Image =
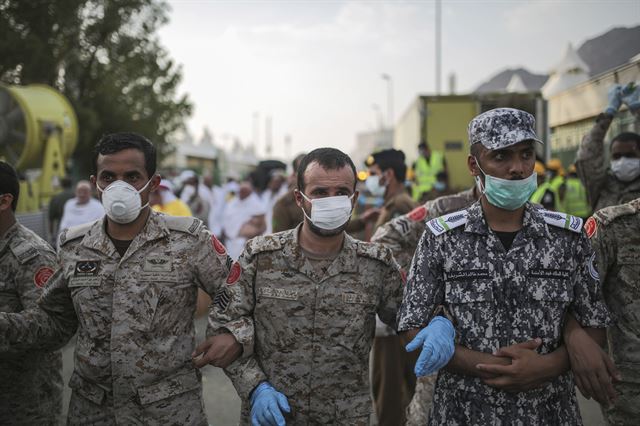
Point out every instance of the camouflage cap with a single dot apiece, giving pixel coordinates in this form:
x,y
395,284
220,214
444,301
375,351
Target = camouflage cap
x,y
502,127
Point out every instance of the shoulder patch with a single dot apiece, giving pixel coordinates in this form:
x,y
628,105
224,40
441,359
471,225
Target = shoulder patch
x,y
418,214
611,213
264,243
74,232
186,224
374,251
591,227
445,223
562,220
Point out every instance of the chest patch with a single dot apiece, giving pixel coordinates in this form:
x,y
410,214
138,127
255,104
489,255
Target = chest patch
x,y
157,264
86,268
278,293
467,274
549,273
355,298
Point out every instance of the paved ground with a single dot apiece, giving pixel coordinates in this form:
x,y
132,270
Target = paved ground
x,y
223,405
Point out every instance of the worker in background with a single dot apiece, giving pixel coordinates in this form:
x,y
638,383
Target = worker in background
x,y
163,200
81,209
56,206
426,168
543,194
555,177
575,197
618,183
393,381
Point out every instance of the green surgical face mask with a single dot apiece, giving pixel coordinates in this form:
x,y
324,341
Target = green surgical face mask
x,y
504,193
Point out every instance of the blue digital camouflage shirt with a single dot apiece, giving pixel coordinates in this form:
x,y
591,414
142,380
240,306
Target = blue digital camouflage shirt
x,y
499,298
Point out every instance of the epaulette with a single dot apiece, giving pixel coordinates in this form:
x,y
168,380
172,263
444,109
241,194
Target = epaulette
x,y
374,251
609,214
186,224
445,223
562,220
74,233
264,243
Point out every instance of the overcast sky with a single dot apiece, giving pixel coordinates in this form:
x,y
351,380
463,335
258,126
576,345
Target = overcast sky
x,y
315,66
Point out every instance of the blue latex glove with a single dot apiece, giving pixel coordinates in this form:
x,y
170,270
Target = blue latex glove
x,y
615,100
437,343
267,405
631,96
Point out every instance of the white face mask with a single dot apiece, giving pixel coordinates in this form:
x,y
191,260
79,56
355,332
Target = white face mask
x,y
122,202
626,169
329,213
373,185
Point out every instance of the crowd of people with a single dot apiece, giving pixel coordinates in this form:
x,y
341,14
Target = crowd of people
x,y
486,306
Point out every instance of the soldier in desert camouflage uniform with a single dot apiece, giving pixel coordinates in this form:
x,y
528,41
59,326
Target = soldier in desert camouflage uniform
x,y
129,283
620,182
314,293
30,381
615,236
506,272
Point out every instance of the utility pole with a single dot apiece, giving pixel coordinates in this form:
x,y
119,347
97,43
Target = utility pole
x,y
389,80
438,46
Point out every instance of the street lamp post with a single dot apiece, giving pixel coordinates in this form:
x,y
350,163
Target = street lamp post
x,y
389,80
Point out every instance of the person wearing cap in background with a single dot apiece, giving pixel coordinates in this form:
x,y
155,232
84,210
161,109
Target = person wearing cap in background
x,y
509,275
81,209
426,168
30,381
275,189
620,182
440,187
543,194
163,200
393,380
286,213
575,197
195,195
615,235
555,177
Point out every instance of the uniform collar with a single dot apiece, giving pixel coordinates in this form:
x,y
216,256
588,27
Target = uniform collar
x,y
346,261
97,239
533,223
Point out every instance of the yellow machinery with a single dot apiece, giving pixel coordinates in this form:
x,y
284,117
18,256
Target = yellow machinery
x,y
38,133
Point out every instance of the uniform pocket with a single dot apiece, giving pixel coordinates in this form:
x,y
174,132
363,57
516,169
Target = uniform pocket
x,y
169,387
87,389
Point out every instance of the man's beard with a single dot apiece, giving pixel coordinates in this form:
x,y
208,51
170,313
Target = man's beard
x,y
326,232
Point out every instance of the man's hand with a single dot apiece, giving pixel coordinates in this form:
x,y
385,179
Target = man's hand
x,y
370,215
436,342
524,373
615,100
268,406
219,351
592,368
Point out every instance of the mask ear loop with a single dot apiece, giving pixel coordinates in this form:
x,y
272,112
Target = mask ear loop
x,y
479,181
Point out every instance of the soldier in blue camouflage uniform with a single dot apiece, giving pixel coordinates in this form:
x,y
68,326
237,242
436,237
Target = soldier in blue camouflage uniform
x,y
506,273
615,235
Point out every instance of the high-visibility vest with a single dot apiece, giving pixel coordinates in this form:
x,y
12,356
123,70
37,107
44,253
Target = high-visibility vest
x,y
575,198
555,185
425,173
536,197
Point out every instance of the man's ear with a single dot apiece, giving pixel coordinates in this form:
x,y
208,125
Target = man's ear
x,y
155,182
297,195
472,165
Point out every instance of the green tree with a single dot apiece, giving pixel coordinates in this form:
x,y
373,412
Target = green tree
x,y
105,56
